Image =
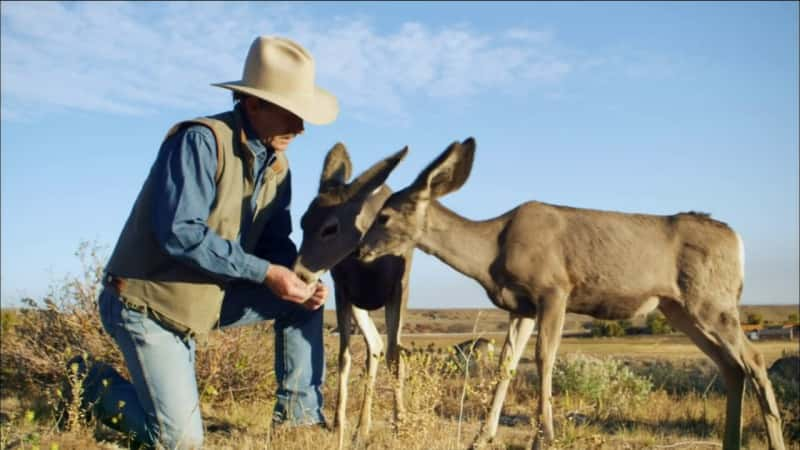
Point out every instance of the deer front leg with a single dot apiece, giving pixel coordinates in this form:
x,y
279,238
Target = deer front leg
x,y
395,310
551,309
374,351
343,320
519,331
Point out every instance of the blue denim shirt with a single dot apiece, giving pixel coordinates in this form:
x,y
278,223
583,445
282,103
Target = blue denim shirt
x,y
185,172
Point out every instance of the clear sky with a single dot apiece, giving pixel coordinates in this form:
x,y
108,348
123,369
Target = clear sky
x,y
637,107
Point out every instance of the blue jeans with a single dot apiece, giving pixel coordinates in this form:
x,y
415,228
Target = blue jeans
x,y
161,402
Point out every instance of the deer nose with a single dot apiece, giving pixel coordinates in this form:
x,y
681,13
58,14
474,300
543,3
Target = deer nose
x,y
365,254
303,273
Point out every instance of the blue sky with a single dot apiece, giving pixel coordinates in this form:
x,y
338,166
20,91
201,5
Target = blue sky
x,y
637,107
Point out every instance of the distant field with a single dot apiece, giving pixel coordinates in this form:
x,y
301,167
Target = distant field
x,y
487,320
445,327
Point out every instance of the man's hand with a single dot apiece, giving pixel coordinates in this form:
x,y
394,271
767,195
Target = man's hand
x,y
317,299
287,285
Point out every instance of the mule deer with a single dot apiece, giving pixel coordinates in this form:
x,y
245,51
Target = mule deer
x,y
542,260
332,227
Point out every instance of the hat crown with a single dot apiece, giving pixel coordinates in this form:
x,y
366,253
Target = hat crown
x,y
280,66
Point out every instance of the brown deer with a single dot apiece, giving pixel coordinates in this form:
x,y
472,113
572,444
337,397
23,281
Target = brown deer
x,y
541,260
332,227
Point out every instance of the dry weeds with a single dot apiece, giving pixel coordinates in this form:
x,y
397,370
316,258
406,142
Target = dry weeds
x,y
684,408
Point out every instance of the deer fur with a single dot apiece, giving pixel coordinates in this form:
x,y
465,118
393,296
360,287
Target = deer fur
x,y
541,260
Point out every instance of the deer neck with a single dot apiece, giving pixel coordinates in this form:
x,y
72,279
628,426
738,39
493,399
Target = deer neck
x,y
467,246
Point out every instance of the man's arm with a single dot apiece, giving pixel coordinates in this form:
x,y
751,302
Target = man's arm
x,y
183,192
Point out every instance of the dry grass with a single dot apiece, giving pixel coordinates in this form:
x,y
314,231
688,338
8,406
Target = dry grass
x,y
684,403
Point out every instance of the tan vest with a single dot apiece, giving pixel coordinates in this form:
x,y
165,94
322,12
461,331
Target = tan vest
x,y
182,297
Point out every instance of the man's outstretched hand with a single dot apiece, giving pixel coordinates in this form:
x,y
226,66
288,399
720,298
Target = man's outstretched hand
x,y
317,299
287,285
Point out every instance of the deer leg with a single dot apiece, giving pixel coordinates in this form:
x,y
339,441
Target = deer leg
x,y
374,350
551,312
519,331
723,343
343,320
756,370
395,310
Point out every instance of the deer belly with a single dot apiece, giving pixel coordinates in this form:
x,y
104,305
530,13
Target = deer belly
x,y
613,307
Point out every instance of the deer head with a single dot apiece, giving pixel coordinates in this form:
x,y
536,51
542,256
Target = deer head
x,y
342,212
402,219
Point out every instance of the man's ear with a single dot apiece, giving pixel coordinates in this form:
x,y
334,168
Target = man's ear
x,y
249,104
336,169
376,175
448,172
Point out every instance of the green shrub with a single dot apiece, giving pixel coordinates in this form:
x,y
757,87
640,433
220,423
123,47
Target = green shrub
x,y
658,324
8,320
681,377
607,328
754,318
608,384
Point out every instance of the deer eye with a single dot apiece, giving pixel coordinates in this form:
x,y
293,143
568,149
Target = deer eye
x,y
329,230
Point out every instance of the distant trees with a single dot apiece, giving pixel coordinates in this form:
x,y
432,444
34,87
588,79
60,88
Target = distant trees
x,y
607,328
794,319
658,324
754,318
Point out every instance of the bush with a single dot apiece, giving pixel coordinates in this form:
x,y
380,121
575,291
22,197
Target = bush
x,y
754,318
682,378
607,328
658,324
608,384
785,376
41,337
66,323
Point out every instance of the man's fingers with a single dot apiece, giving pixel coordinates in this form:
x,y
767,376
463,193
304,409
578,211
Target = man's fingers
x,y
312,304
297,294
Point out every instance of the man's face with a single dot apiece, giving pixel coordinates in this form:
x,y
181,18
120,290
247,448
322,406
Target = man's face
x,y
273,125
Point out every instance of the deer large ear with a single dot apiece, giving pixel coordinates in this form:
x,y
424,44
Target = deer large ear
x,y
337,168
448,172
376,175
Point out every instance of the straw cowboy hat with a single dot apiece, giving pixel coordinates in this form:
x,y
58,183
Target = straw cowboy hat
x,y
282,72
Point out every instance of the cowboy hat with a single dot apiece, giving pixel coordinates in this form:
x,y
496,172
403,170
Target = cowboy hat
x,y
280,71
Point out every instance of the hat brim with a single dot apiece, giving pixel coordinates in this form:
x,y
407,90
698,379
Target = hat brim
x,y
319,108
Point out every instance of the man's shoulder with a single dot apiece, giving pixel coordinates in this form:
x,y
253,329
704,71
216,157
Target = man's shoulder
x,y
218,127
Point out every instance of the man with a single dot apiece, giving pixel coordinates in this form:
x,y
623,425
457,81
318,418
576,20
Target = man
x,y
207,245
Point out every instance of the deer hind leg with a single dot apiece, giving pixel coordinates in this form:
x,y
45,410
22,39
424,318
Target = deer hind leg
x,y
519,331
551,310
757,371
374,351
343,312
718,334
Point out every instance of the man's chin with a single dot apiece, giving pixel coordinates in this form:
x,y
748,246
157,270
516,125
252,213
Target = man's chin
x,y
281,143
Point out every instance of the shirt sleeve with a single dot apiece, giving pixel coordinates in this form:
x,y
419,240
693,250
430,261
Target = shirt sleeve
x,y
274,244
184,191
